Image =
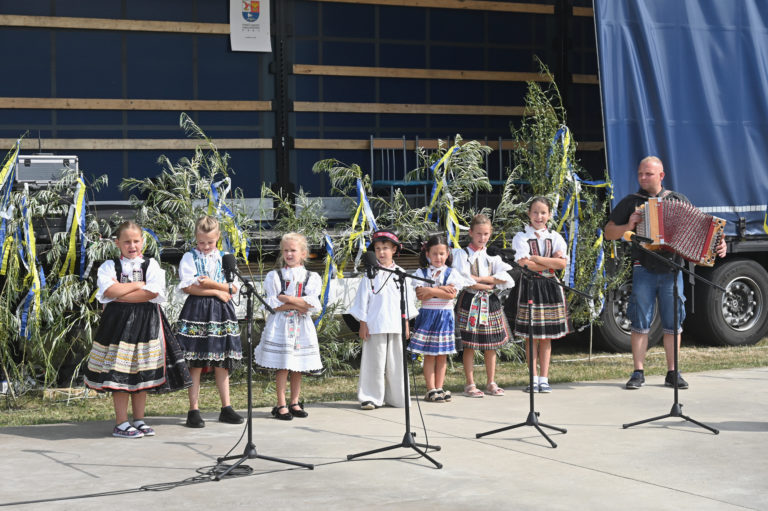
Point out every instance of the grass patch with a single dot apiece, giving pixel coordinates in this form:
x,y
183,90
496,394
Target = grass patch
x,y
570,362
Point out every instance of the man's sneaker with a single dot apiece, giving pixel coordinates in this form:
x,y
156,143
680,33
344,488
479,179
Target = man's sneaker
x,y
545,388
636,381
230,416
528,388
194,419
670,382
129,432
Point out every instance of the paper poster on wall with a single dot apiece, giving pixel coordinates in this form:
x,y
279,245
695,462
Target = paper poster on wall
x,y
249,25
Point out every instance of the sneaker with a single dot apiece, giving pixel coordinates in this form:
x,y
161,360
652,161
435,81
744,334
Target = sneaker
x,y
129,432
230,416
194,420
367,405
669,382
528,388
636,381
545,388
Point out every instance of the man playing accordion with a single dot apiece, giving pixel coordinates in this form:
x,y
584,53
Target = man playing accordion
x,y
651,279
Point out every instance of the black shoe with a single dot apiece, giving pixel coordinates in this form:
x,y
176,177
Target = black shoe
x,y
230,416
636,381
282,416
194,420
669,382
297,410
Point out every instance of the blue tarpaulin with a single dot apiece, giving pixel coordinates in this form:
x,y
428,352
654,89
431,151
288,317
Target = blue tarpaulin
x,y
687,81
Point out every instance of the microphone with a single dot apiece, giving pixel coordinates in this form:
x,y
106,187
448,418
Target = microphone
x,y
371,264
632,237
229,267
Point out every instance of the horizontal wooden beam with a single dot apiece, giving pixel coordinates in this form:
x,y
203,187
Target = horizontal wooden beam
x,y
472,5
177,27
410,145
332,143
424,74
134,104
405,108
132,144
585,79
587,12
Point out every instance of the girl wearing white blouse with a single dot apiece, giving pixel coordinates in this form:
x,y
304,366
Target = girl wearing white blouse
x,y
207,325
134,350
543,251
289,340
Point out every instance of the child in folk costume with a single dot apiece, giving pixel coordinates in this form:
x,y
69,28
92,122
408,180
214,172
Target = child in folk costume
x,y
543,251
377,307
207,325
133,350
433,334
289,340
482,323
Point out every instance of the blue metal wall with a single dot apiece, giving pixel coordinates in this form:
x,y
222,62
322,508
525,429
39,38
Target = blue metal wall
x,y
65,63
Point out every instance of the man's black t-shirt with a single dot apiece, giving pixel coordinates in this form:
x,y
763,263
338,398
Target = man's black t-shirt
x,y
620,216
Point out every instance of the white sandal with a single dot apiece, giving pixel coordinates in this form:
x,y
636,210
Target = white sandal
x,y
471,390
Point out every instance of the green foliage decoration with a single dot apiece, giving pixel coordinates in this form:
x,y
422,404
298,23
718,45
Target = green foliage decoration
x,y
548,167
60,331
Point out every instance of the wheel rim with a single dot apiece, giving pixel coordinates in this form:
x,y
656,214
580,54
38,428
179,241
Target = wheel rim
x,y
742,304
620,305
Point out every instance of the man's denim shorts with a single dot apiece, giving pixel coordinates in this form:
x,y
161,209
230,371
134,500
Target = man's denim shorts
x,y
646,287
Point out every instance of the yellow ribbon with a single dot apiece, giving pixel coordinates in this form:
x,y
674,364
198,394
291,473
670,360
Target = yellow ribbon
x,y
68,267
7,250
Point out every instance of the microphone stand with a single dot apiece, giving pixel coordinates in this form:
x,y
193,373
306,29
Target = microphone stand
x,y
250,447
676,410
533,416
408,439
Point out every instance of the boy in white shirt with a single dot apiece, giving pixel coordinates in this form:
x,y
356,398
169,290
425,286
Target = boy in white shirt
x,y
377,307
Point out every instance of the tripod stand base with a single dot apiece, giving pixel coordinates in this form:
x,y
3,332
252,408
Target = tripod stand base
x,y
250,454
408,442
531,420
676,411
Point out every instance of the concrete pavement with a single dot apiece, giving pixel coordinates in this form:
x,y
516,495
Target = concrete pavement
x,y
667,464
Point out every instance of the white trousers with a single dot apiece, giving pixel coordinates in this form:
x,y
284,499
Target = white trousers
x,y
381,371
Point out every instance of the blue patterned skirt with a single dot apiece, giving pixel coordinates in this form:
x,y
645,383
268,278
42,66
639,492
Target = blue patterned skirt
x,y
209,332
433,333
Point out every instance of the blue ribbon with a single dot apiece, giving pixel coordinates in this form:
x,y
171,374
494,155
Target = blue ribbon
x,y
330,272
363,198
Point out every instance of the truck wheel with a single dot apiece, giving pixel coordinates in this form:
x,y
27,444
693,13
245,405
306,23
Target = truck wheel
x,y
615,330
740,316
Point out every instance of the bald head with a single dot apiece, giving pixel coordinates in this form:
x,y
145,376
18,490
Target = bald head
x,y
650,173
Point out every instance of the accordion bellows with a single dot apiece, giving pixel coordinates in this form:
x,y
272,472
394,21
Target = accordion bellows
x,y
682,228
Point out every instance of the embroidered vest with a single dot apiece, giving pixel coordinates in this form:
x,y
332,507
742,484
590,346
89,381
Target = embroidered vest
x,y
139,275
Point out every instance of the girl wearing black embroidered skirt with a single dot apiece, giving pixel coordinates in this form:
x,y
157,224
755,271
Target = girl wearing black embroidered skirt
x,y
289,340
134,350
481,321
433,334
207,326
543,251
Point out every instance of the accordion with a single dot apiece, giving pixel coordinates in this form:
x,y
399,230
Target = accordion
x,y
682,228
